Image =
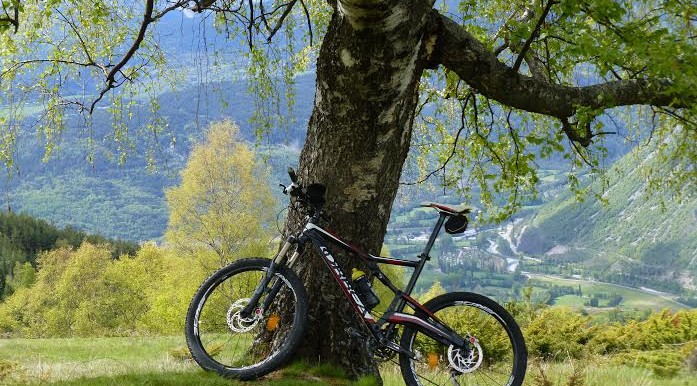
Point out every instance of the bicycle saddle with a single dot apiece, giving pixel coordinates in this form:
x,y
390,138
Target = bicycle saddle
x,y
450,209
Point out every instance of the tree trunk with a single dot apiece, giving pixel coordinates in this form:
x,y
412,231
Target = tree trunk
x,y
357,141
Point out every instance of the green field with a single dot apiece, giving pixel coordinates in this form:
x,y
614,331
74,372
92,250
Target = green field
x,y
631,298
149,361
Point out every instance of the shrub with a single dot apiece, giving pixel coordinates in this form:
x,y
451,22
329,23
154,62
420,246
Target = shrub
x,y
6,369
663,363
558,333
87,293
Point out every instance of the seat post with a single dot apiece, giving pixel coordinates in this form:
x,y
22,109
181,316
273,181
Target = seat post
x,y
434,234
423,257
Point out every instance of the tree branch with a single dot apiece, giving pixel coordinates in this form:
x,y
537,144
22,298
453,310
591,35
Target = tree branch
x,y
533,35
90,61
307,17
280,20
111,77
23,63
175,5
475,64
13,20
463,104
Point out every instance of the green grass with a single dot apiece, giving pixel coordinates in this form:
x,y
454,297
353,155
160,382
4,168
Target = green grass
x,y
141,379
146,361
40,360
601,373
570,301
131,361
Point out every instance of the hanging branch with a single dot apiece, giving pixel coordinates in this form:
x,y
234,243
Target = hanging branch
x,y
251,25
463,104
281,19
114,73
111,77
487,144
90,61
13,20
309,21
533,35
514,137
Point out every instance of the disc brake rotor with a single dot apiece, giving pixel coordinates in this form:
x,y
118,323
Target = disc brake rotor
x,y
235,320
466,361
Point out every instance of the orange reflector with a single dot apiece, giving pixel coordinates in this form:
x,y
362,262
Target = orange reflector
x,y
272,322
432,360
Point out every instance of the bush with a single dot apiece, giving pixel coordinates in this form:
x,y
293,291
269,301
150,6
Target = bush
x,y
87,293
663,363
660,328
558,333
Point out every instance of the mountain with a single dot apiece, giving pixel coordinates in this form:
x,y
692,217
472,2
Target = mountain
x,y
636,237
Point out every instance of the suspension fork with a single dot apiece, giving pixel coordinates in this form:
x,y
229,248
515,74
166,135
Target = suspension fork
x,y
277,285
273,267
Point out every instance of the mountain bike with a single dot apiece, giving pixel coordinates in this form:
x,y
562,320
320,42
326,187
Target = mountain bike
x,y
247,318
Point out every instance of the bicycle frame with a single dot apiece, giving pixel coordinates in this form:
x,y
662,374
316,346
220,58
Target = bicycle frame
x,y
394,315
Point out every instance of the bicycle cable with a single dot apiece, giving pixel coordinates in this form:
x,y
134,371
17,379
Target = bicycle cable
x,y
278,218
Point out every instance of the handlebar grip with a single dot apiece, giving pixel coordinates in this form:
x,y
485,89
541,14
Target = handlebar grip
x,y
293,176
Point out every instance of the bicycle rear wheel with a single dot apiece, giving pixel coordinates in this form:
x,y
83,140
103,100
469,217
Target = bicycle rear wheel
x,y
496,354
221,339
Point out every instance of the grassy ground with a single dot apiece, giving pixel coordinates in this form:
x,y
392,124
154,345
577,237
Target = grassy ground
x,y
599,373
41,360
152,361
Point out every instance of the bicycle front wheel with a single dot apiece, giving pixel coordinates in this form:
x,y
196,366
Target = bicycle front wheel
x,y
495,353
222,339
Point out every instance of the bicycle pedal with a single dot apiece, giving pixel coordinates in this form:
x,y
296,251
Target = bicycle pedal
x,y
356,333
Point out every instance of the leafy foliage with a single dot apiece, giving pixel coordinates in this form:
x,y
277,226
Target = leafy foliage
x,y
85,292
558,333
473,143
664,363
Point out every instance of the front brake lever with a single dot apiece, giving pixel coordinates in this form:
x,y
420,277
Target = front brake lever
x,y
285,189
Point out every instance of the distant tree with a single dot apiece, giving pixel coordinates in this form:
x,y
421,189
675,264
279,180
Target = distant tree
x,y
615,300
223,203
593,302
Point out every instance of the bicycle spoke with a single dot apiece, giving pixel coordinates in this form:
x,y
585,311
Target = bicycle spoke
x,y
482,375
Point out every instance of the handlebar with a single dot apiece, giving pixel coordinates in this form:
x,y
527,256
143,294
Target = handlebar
x,y
312,196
